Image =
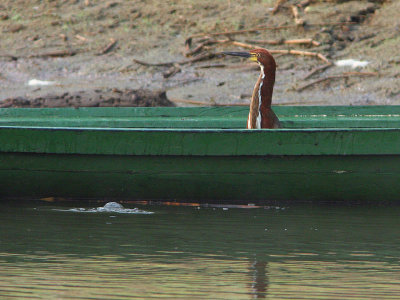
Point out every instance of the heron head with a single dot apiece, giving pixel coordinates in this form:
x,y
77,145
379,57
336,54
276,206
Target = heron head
x,y
260,55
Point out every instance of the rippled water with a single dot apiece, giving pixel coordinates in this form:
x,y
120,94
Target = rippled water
x,y
322,252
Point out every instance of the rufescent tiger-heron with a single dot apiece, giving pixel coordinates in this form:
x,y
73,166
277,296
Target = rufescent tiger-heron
x,y
261,115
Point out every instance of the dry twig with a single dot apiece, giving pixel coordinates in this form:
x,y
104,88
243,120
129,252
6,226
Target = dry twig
x,y
286,52
184,62
147,64
310,42
317,69
277,6
171,71
261,28
81,38
199,47
109,47
203,103
212,66
344,75
304,3
295,11
57,53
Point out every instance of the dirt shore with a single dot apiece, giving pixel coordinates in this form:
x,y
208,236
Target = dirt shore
x,y
54,48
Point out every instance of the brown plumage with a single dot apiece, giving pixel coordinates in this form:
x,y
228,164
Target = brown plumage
x,y
261,115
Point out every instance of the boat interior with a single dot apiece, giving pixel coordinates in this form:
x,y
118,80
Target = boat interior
x,y
232,117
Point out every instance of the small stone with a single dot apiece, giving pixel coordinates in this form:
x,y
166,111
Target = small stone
x,y
111,4
15,28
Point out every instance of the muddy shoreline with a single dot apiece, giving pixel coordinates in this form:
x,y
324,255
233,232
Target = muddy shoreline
x,y
96,98
80,47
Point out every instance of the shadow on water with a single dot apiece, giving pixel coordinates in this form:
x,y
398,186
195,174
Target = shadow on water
x,y
199,252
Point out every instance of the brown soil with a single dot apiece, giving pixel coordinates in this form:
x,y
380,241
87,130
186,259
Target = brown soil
x,y
97,98
88,45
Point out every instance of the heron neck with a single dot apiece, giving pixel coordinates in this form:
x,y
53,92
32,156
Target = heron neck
x,y
262,95
265,86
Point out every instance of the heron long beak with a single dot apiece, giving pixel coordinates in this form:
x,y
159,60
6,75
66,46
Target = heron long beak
x,y
242,54
250,55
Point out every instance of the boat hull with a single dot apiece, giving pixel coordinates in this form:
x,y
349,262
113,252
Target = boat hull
x,y
247,179
124,154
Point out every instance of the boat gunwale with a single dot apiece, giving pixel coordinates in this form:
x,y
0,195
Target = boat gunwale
x,y
203,142
205,130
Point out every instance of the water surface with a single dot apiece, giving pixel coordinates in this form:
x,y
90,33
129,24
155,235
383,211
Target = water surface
x,y
80,252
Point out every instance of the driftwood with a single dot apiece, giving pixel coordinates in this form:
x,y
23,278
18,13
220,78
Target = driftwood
x,y
286,52
188,41
304,3
274,51
295,11
317,69
109,47
57,53
205,42
234,32
241,66
81,38
333,77
94,98
203,103
171,71
183,62
309,42
277,6
147,64
213,66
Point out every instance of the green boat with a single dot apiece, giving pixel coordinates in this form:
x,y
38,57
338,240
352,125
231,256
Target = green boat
x,y
202,155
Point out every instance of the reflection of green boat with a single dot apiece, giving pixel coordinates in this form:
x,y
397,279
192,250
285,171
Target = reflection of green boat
x,y
202,154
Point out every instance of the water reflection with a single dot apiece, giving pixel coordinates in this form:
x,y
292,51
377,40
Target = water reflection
x,y
301,252
259,280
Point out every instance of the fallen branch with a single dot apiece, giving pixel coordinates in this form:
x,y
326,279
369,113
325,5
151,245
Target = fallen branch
x,y
81,38
58,53
277,6
262,28
171,72
184,62
10,57
201,46
295,11
344,75
233,32
289,51
203,103
212,66
300,103
147,64
304,3
241,67
302,53
317,69
361,74
109,47
203,57
288,42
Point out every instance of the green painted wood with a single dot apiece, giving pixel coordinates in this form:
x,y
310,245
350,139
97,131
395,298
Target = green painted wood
x,y
133,153
204,142
201,179
203,117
